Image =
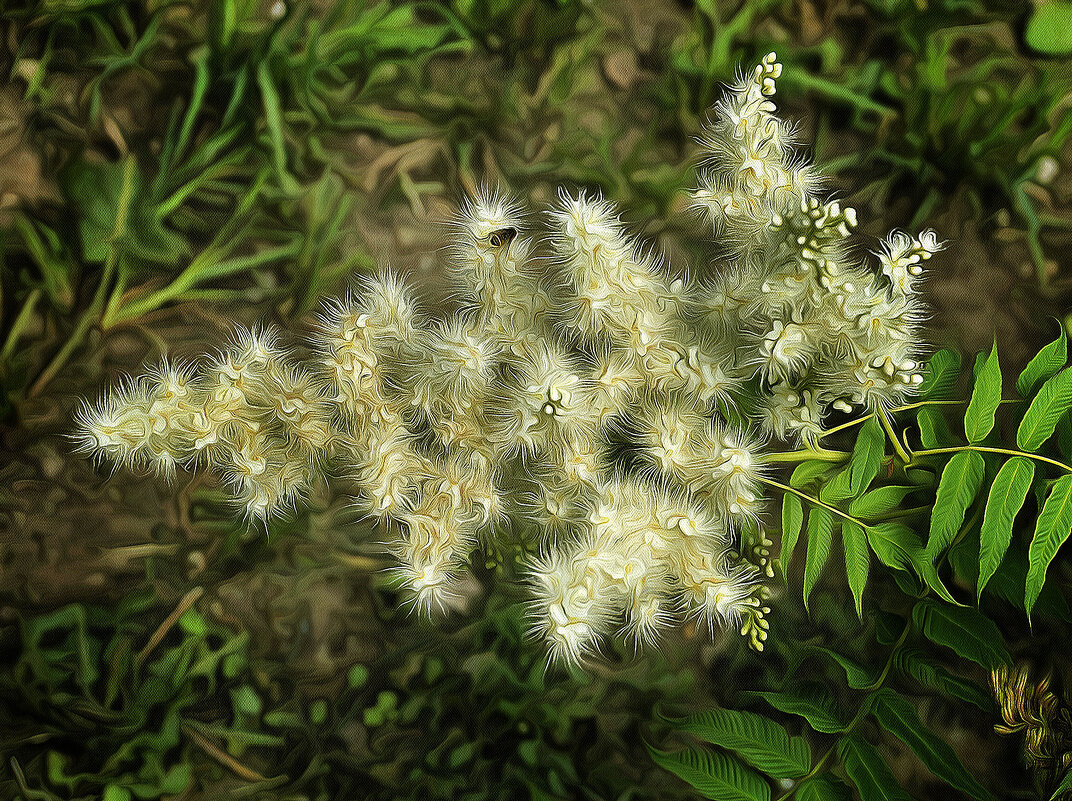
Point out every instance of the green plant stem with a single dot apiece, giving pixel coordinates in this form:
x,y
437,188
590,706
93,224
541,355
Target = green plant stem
x,y
843,426
196,273
808,454
902,454
813,500
21,321
985,449
94,312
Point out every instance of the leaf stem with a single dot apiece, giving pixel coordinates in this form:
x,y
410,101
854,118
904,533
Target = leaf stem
x,y
808,454
986,449
902,453
814,501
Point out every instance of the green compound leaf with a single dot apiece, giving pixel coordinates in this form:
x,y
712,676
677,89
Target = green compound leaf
x,y
1043,365
898,716
1049,28
1006,497
792,522
1052,530
868,772
811,703
942,371
965,630
979,419
866,456
879,501
820,537
761,742
960,482
857,562
1051,403
714,775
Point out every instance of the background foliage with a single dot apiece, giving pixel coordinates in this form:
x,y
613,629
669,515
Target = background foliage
x,y
170,168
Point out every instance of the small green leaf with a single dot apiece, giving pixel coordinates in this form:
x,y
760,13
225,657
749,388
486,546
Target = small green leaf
x,y
956,490
866,455
819,788
811,703
1052,402
898,716
807,472
715,775
1007,495
933,429
965,630
820,536
858,676
857,562
761,742
837,488
879,501
1049,28
895,544
942,371
792,522
1052,530
979,419
1045,364
1064,789
930,673
868,772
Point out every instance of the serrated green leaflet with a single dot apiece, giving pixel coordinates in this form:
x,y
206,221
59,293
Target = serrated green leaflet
x,y
868,772
956,490
933,429
837,488
715,775
965,630
1040,419
913,662
1052,530
899,717
866,456
1006,497
879,501
820,536
979,418
895,545
817,789
857,675
942,371
857,562
792,522
1043,365
812,705
807,472
761,742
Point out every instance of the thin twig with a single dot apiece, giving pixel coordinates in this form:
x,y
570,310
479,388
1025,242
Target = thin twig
x,y
188,600
221,756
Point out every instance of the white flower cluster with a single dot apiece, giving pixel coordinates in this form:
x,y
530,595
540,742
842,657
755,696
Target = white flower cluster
x,y
581,391
823,330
